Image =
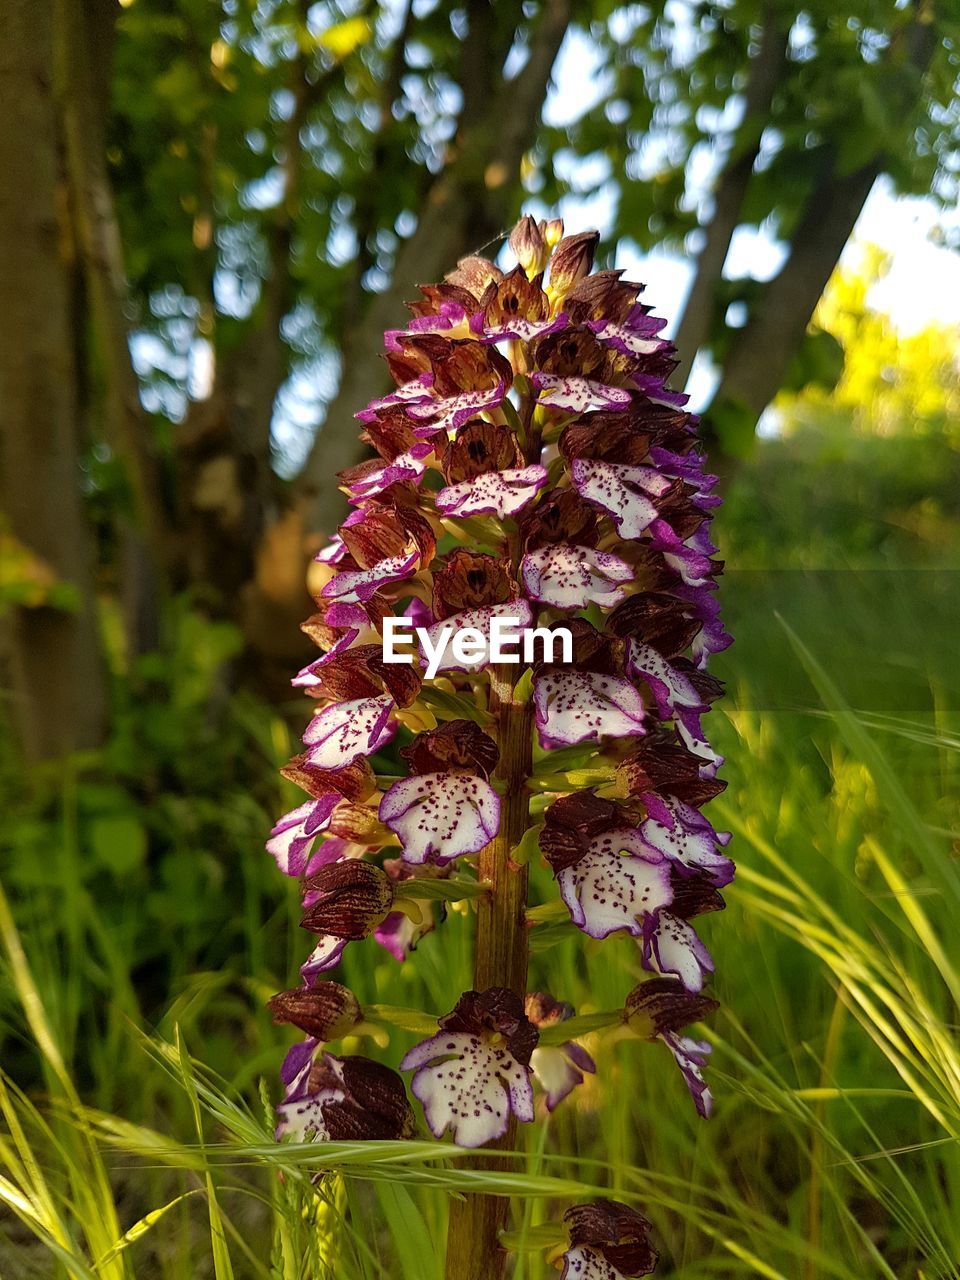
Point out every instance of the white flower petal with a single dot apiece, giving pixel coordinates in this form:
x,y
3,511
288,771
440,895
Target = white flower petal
x,y
440,816
572,577
499,493
581,706
625,493
469,1087
344,731
608,890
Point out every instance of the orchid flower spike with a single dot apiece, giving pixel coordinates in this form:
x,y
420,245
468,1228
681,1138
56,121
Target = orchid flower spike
x,y
530,469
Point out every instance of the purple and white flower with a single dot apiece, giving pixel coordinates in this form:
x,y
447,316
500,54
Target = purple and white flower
x,y
625,493
583,706
499,493
617,884
440,816
345,731
571,577
671,945
475,1071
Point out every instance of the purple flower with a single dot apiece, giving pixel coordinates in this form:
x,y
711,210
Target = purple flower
x,y
577,395
479,620
685,836
582,706
291,839
671,945
499,493
475,1071
571,577
345,731
625,493
439,816
360,585
557,1068
616,883
658,1010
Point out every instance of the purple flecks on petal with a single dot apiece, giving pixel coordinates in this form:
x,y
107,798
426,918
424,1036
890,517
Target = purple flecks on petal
x,y
671,945
608,890
524,330
344,731
291,839
449,412
480,620
626,338
582,706
572,577
468,1086
583,1263
439,816
671,688
407,466
686,837
361,584
499,493
325,955
625,493
578,395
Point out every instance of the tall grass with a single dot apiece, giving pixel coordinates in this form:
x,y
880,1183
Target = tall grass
x,y
833,1155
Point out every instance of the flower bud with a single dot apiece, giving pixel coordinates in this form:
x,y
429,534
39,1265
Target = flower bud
x,y
663,1005
609,1231
347,899
326,1011
572,260
529,245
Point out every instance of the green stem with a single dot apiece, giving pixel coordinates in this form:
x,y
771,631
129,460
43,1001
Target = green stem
x,y
501,956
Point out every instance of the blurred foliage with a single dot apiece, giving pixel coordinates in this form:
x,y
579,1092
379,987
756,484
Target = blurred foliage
x,y
214,104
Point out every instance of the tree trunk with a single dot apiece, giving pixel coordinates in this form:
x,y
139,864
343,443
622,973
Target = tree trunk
x,y
53,655
765,72
81,62
762,351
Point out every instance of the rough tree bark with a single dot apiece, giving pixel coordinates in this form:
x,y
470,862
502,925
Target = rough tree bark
x,y
53,657
81,63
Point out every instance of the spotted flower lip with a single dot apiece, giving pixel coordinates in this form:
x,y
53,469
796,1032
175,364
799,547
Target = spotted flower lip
x,y
659,1009
344,731
479,620
687,838
450,412
558,1069
440,816
670,945
578,395
475,1071
616,884
608,1241
572,577
625,493
360,585
583,706
499,493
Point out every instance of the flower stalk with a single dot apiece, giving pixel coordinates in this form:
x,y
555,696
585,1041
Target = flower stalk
x,y
533,470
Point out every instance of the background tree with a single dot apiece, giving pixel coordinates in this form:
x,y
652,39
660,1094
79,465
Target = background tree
x,y
248,191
